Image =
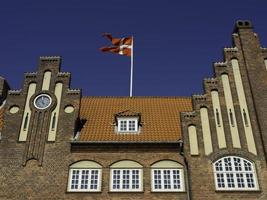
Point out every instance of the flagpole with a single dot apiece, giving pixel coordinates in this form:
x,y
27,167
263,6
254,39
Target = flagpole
x,y
131,78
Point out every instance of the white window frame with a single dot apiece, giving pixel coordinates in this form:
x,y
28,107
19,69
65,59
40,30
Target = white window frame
x,y
127,120
131,189
172,189
79,189
234,174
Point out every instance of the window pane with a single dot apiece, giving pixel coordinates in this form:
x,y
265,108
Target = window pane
x,y
220,180
128,125
230,180
157,179
237,163
240,180
167,179
94,179
84,179
218,165
75,179
176,179
126,179
247,165
234,173
228,164
123,125
250,180
132,125
116,179
135,179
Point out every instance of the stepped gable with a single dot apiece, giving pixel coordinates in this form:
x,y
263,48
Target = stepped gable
x,y
160,118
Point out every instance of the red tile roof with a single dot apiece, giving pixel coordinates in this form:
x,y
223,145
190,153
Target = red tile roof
x,y
160,118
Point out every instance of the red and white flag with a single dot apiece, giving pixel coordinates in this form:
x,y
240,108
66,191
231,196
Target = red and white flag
x,y
121,46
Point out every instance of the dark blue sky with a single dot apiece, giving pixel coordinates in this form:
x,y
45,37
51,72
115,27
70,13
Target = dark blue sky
x,y
175,42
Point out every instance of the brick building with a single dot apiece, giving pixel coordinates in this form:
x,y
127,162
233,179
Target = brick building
x,y
57,144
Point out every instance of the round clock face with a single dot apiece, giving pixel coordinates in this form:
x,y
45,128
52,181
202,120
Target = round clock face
x,y
42,101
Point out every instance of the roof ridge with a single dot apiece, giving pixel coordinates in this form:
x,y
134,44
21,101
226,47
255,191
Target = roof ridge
x,y
137,97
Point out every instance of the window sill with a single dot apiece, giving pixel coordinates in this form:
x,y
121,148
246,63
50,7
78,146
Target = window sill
x,y
84,191
168,191
128,191
243,191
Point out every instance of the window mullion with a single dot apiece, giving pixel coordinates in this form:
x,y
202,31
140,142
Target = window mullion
x,y
130,179
128,125
90,180
234,172
153,179
244,173
162,179
235,180
80,179
99,172
171,179
121,178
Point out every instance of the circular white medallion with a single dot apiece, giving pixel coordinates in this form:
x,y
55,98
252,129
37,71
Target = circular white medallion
x,y
69,109
13,109
42,101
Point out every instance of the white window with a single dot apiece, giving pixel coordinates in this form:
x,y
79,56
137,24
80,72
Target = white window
x,y
126,176
126,180
235,173
127,125
167,176
85,176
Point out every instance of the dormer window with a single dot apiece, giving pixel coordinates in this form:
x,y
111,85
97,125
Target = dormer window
x,y
127,122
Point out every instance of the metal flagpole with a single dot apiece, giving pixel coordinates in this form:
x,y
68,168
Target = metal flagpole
x,y
131,78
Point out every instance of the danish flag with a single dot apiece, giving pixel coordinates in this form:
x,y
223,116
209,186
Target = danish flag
x,y
121,46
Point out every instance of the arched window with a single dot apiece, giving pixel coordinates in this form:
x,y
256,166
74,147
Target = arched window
x,y
167,176
235,173
85,176
125,176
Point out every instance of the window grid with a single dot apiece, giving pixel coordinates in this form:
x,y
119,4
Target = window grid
x,y
234,173
166,180
84,180
127,125
126,180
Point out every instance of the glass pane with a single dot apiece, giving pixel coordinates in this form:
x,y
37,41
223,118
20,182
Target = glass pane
x,y
250,180
230,180
75,179
167,179
116,179
94,179
135,179
157,179
176,179
84,179
220,180
240,180
125,179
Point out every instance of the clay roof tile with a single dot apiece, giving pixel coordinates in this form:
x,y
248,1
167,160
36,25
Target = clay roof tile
x,y
160,118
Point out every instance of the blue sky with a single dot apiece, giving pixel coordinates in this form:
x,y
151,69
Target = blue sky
x,y
175,41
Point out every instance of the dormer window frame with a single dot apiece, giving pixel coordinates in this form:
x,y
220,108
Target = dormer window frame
x,y
125,124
